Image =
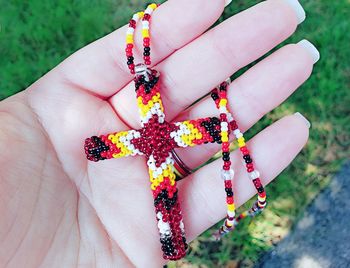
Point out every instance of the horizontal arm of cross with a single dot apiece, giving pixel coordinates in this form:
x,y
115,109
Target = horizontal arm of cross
x,y
180,134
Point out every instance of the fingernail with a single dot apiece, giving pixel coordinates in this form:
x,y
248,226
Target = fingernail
x,y
298,9
311,49
307,122
227,2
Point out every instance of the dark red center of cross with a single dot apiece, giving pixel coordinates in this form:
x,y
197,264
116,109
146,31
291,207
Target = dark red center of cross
x,y
155,139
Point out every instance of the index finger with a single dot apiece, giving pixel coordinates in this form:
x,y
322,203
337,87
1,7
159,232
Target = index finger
x,y
101,66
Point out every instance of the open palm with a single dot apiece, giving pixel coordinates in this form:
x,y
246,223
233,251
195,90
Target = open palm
x,y
60,210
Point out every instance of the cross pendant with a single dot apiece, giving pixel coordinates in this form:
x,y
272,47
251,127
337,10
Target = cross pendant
x,y
156,139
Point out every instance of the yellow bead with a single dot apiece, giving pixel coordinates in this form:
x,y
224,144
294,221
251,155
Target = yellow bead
x,y
241,139
229,224
141,14
223,102
153,187
224,139
145,33
153,6
240,145
129,39
231,207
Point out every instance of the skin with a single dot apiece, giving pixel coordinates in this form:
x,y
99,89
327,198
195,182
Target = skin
x,y
59,210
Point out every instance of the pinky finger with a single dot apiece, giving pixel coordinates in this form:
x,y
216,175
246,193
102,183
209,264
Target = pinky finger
x,y
273,149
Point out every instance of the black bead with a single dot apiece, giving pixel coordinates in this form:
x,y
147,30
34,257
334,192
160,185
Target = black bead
x,y
147,49
146,53
260,189
226,158
222,88
214,96
248,161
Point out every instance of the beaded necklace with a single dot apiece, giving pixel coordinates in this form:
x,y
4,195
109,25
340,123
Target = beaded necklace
x,y
157,139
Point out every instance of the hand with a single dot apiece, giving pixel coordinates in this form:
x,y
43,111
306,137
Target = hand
x,y
60,210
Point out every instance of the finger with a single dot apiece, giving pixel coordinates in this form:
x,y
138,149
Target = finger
x,y
202,195
198,67
101,66
255,93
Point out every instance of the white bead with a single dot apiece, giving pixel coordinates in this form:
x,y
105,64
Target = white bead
x,y
148,10
231,213
223,124
229,222
227,174
137,134
130,30
163,227
254,174
224,128
236,132
135,17
223,109
159,215
239,135
263,205
261,199
182,226
229,116
152,166
163,166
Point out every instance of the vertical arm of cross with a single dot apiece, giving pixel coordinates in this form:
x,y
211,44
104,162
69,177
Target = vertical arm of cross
x,y
167,207
149,100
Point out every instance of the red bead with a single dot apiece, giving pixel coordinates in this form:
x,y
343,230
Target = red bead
x,y
228,184
229,200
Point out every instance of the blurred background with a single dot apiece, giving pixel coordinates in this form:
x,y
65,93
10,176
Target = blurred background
x,y
36,35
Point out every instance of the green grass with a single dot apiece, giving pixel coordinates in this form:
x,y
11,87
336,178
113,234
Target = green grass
x,y
36,35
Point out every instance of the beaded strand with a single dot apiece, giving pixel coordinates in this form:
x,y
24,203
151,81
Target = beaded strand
x,y
220,98
145,17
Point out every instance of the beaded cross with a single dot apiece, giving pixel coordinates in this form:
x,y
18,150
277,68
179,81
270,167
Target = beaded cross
x,y
157,138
